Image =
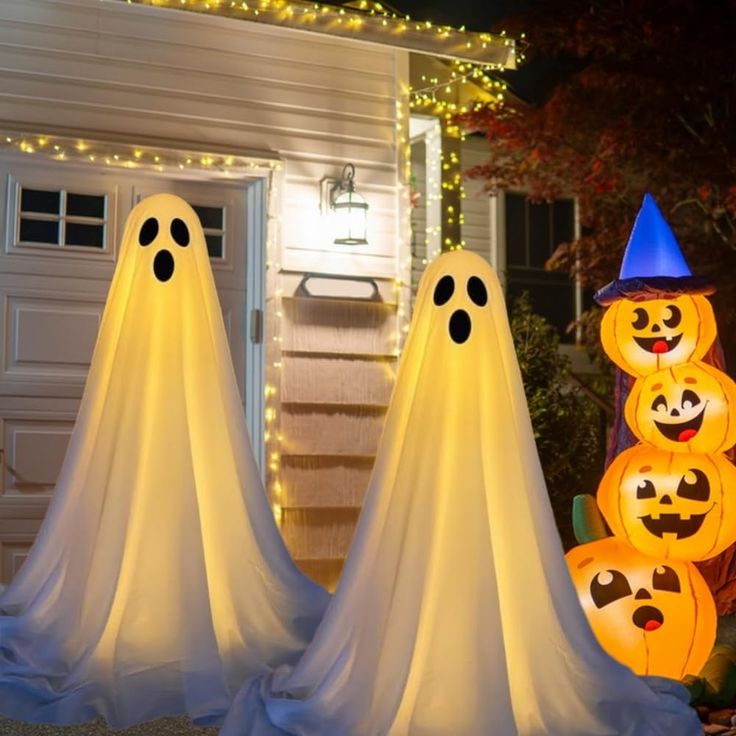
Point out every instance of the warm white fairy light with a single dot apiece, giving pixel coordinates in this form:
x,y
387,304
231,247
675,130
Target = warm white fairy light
x,y
130,156
368,21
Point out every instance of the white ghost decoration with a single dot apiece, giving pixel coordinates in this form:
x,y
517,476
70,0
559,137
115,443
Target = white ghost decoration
x,y
159,580
455,614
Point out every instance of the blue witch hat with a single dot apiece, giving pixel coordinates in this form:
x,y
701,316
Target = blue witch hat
x,y
653,266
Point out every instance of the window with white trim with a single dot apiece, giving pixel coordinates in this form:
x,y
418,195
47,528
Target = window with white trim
x,y
61,218
214,227
533,232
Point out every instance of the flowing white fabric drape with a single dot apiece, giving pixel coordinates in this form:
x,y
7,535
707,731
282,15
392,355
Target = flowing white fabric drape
x,y
159,580
455,613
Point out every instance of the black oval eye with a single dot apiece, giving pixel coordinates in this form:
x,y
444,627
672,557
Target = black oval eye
x,y
608,586
659,404
665,578
646,489
477,291
180,232
694,485
444,290
149,231
689,399
675,316
642,319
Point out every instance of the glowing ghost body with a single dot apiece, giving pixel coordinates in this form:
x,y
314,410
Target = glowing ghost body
x,y
455,613
159,579
656,617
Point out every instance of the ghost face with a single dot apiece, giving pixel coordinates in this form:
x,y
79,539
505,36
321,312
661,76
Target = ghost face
x,y
459,294
645,336
656,617
686,408
670,505
165,234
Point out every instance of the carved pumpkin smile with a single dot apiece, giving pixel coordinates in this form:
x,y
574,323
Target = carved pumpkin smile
x,y
681,431
658,345
673,524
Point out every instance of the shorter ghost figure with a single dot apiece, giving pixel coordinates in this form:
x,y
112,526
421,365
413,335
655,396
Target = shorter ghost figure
x,y
455,614
159,580
657,617
685,408
645,336
670,505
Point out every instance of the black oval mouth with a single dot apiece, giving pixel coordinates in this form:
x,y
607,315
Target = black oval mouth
x,y
460,326
648,618
163,265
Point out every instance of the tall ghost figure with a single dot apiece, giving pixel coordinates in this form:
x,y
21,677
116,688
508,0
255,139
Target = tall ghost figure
x,y
159,580
456,613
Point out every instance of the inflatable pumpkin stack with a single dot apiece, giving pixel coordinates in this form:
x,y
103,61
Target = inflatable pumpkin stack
x,y
669,499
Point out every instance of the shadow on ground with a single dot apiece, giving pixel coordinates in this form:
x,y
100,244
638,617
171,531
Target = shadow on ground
x,y
161,727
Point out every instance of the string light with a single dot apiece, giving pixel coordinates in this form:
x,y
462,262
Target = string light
x,y
369,21
117,155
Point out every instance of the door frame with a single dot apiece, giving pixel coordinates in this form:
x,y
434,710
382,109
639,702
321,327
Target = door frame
x,y
259,176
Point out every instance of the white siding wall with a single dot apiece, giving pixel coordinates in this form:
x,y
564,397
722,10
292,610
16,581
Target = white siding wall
x,y
476,230
141,74
107,70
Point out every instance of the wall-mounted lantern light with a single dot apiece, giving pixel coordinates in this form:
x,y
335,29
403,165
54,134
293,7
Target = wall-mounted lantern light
x,y
349,210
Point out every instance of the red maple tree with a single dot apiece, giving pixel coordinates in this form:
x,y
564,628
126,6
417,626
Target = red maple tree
x,y
647,104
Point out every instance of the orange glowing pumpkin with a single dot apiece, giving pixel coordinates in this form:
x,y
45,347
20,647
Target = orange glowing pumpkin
x,y
642,337
671,505
657,617
685,408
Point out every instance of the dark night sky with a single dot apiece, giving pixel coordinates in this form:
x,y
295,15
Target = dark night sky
x,y
533,80
475,15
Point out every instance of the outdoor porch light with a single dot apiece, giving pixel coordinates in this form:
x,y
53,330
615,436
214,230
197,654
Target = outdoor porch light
x,y
349,210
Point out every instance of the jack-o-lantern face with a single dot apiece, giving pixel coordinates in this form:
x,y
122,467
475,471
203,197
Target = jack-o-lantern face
x,y
647,336
686,408
670,505
657,617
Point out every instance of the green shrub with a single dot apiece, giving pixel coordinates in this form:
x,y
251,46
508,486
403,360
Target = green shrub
x,y
566,423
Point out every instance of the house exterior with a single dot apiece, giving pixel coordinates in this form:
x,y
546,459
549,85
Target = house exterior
x,y
105,102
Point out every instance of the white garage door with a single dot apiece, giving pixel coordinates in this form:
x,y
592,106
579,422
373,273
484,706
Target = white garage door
x,y
61,228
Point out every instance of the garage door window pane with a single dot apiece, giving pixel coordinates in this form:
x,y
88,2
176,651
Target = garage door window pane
x,y
85,205
39,231
213,225
62,218
214,245
38,200
90,236
210,217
